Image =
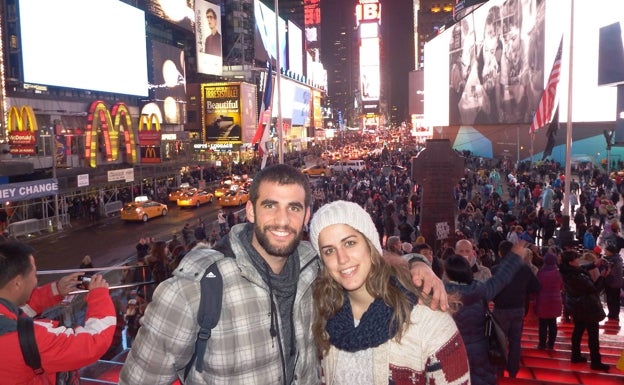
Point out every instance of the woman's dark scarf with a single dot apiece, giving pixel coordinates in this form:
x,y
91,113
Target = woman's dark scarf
x,y
375,327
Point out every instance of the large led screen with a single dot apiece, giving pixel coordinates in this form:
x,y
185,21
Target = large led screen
x,y
265,41
611,55
69,43
295,48
178,12
471,77
369,69
168,81
208,38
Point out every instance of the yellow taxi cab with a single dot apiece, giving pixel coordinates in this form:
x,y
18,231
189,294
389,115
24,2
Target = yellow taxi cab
x,y
142,209
227,182
234,197
318,170
177,193
195,198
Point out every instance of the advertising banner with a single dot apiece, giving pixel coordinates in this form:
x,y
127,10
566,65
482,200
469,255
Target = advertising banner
x,y
22,131
221,112
150,139
208,38
14,192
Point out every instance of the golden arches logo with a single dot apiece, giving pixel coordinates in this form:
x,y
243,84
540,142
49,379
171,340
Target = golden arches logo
x,y
100,120
21,118
150,152
146,122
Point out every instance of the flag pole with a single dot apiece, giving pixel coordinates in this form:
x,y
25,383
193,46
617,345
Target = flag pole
x,y
280,127
568,158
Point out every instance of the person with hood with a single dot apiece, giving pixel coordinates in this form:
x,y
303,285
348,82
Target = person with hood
x,y
583,303
548,302
475,295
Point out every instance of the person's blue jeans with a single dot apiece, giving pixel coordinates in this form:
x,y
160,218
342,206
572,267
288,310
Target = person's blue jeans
x,y
512,322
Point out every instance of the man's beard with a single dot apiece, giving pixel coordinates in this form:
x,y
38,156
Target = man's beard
x,y
283,251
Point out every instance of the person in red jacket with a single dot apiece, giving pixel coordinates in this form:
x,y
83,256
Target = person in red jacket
x,y
61,348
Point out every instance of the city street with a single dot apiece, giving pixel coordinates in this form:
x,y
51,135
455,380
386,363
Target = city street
x,y
110,241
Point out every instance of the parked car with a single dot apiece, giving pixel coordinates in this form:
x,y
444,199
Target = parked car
x,y
318,170
235,197
195,198
143,209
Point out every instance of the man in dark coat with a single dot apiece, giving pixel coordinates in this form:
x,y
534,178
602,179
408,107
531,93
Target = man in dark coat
x,y
510,307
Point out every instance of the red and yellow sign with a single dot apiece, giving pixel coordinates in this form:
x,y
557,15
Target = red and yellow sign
x,y
99,121
150,138
22,131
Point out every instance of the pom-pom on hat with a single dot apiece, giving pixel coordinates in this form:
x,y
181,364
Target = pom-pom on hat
x,y
344,212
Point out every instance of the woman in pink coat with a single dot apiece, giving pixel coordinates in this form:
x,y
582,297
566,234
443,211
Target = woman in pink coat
x,y
548,303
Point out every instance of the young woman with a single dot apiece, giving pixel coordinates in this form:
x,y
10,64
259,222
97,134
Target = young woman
x,y
369,325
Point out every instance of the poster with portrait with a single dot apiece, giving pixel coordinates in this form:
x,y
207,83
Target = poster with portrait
x,y
208,35
496,63
222,112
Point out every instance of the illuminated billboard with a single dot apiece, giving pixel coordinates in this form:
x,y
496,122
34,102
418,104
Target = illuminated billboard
x,y
179,12
369,69
208,41
265,40
229,112
312,24
368,17
71,44
461,76
295,48
168,82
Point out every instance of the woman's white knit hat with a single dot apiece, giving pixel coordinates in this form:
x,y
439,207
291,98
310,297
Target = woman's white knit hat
x,y
347,213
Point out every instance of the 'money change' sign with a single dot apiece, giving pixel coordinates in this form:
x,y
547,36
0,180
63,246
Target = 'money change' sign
x,y
13,192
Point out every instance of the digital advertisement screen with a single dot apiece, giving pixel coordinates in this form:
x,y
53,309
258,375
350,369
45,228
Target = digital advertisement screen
x,y
178,12
474,77
295,48
265,35
369,69
168,81
65,43
611,55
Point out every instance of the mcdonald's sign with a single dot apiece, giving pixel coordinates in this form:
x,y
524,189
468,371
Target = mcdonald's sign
x,y
22,130
100,121
150,138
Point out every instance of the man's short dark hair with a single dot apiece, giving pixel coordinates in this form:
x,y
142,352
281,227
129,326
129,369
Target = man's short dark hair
x,y
504,248
210,10
458,269
14,260
281,174
421,246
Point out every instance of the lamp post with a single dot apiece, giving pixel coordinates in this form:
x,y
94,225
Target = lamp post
x,y
59,225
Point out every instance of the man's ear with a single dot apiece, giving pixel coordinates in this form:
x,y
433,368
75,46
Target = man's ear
x,y
249,211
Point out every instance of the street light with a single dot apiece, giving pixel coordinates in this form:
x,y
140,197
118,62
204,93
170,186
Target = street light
x,y
59,225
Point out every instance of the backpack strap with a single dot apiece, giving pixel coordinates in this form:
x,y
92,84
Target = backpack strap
x,y
28,344
208,314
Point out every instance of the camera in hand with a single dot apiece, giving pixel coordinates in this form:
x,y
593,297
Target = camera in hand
x,y
84,281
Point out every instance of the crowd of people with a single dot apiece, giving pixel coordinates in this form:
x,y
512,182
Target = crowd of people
x,y
368,289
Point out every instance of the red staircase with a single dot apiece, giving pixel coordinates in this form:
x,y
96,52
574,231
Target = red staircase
x,y
553,367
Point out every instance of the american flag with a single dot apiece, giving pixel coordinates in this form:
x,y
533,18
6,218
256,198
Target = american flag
x,y
547,102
